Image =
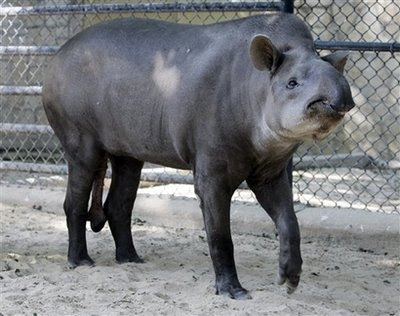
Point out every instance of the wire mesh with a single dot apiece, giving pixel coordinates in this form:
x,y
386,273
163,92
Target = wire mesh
x,y
373,129
357,166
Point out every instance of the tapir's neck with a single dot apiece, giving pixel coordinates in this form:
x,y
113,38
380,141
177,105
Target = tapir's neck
x,y
270,146
253,116
245,107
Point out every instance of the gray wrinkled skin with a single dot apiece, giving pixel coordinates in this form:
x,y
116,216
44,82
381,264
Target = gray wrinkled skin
x,y
230,101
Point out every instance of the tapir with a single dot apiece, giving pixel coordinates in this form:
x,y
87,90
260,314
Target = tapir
x,y
230,101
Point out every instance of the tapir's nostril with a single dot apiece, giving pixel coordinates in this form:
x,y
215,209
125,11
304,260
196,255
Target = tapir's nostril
x,y
342,106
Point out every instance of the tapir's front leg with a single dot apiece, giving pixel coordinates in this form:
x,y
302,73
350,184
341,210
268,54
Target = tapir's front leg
x,y
214,192
276,197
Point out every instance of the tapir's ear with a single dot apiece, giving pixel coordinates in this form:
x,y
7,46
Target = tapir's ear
x,y
337,59
264,55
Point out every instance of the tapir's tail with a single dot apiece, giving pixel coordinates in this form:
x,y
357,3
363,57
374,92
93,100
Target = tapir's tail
x,y
96,214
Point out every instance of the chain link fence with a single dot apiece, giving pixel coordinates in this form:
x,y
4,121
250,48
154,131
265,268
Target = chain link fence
x,y
358,166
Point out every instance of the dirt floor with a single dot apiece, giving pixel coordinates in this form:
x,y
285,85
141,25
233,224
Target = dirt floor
x,y
339,278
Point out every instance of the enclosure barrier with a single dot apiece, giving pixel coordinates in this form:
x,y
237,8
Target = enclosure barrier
x,y
361,160
144,7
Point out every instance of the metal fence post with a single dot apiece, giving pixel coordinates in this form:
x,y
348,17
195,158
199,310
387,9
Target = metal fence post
x,y
288,6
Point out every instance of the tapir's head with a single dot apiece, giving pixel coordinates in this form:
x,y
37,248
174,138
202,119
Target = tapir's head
x,y
307,96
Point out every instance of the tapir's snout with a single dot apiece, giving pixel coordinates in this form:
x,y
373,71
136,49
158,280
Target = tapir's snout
x,y
342,100
330,106
337,98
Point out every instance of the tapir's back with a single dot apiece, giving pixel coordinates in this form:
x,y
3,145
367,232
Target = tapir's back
x,y
119,81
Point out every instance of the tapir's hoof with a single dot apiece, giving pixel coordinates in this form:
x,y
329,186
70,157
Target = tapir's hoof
x,y
291,282
124,258
237,293
75,262
290,289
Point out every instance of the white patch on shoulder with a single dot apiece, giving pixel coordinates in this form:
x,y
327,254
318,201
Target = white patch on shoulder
x,y
166,76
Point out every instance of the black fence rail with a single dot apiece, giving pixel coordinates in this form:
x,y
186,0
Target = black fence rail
x,y
357,167
145,7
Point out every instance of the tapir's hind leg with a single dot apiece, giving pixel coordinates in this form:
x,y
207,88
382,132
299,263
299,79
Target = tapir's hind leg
x,y
119,204
83,156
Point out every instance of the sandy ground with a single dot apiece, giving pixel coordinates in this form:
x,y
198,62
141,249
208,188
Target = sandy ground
x,y
339,278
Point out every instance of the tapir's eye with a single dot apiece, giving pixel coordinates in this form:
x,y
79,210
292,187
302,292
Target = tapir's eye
x,y
292,84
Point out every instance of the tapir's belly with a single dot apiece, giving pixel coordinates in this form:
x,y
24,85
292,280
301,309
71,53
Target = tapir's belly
x,y
143,130
153,152
140,137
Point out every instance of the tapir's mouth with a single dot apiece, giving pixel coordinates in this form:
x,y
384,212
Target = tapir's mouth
x,y
330,106
323,117
317,103
323,108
